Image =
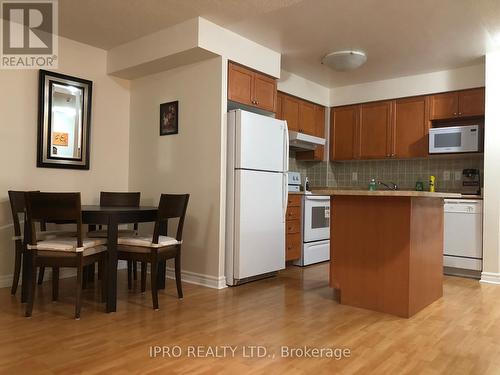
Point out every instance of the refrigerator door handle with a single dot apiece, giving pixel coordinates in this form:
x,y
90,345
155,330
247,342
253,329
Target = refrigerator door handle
x,y
286,144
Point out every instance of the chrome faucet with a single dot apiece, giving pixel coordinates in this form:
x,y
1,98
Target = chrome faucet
x,y
393,187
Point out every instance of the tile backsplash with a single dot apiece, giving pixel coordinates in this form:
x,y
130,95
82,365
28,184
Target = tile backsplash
x,y
405,173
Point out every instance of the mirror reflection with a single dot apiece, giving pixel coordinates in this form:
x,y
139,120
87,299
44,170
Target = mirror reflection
x,y
66,124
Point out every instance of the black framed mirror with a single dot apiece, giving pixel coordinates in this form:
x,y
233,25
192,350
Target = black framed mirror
x,y
64,111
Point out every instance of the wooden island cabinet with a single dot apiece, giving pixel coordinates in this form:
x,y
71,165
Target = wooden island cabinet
x,y
386,249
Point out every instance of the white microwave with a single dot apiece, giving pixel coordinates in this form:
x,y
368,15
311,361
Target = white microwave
x,y
455,139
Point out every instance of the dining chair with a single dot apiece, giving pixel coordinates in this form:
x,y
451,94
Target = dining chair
x,y
18,208
158,247
120,199
75,252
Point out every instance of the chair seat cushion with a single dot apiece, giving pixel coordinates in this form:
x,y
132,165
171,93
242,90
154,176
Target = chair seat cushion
x,y
103,233
67,244
147,241
62,254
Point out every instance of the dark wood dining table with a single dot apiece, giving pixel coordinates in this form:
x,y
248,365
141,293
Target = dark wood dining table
x,y
112,217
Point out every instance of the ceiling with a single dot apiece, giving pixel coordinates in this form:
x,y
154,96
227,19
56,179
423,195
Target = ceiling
x,y
400,37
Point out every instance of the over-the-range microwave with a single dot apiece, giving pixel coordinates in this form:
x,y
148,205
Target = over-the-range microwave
x,y
455,139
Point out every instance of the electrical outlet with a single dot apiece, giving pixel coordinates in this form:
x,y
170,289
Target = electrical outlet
x,y
354,176
446,176
458,175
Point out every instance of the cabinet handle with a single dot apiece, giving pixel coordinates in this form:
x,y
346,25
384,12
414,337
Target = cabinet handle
x,y
257,102
290,228
289,247
455,113
460,113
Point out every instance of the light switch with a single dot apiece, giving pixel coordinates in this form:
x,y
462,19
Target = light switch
x,y
354,176
446,176
458,175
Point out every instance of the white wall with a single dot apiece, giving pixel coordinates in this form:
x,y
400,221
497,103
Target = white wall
x,y
446,80
18,137
188,42
296,85
491,241
189,162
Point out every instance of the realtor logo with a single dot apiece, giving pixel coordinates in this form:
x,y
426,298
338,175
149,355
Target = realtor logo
x,y
29,34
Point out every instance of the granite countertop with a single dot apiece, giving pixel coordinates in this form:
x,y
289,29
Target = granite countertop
x,y
387,193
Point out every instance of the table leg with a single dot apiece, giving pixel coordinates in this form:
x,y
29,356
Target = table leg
x,y
112,265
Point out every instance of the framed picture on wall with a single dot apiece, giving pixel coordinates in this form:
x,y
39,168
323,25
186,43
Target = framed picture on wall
x,y
169,118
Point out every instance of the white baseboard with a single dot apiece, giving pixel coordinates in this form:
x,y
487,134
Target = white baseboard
x,y
6,280
199,279
187,277
490,278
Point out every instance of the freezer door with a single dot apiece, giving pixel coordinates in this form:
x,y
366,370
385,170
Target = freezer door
x,y
260,142
259,230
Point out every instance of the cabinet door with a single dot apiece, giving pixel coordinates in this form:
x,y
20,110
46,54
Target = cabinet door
x,y
444,106
291,112
375,130
344,123
318,153
279,106
319,121
410,134
240,84
264,92
471,102
306,117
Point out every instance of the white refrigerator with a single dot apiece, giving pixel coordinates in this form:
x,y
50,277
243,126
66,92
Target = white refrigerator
x,y
257,183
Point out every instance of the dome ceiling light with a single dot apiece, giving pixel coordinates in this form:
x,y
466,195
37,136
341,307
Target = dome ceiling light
x,y
344,60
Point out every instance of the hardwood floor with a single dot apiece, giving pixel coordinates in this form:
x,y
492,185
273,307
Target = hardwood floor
x,y
459,334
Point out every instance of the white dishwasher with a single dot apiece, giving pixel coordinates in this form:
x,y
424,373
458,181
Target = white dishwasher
x,y
463,237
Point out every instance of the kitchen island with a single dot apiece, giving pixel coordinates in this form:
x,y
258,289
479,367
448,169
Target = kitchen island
x,y
386,248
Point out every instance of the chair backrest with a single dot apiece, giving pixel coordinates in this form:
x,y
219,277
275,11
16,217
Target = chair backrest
x,y
17,206
171,206
53,207
119,199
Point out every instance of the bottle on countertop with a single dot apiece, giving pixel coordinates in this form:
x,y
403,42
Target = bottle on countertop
x,y
419,186
306,185
373,185
432,184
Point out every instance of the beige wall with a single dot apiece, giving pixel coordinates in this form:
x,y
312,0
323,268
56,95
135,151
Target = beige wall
x,y
18,129
189,162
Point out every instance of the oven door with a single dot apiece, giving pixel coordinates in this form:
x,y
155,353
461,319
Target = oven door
x,y
316,218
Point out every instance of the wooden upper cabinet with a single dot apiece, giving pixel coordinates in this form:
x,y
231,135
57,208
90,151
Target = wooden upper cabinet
x,y
265,92
251,88
319,121
240,83
307,117
318,154
471,102
279,106
443,106
410,128
344,123
291,112
455,104
375,130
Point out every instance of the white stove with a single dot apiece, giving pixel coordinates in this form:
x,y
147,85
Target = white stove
x,y
315,224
